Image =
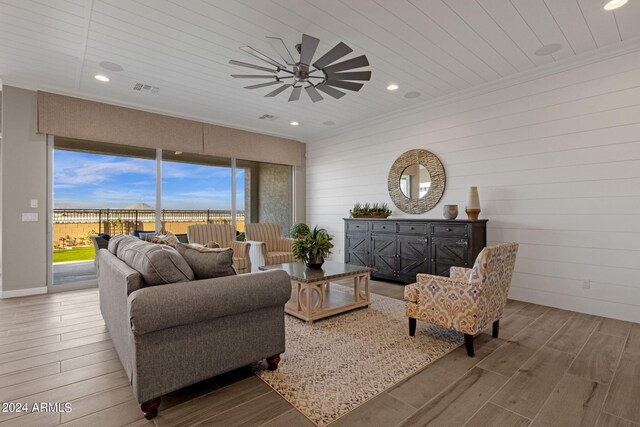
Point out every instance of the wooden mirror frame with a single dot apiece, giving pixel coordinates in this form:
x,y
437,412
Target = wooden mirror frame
x,y
433,165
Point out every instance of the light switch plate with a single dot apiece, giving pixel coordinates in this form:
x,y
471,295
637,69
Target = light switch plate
x,y
29,217
34,203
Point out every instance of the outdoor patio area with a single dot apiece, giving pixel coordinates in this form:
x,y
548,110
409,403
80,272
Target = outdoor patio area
x,y
74,272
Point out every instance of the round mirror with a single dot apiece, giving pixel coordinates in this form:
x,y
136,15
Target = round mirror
x,y
415,181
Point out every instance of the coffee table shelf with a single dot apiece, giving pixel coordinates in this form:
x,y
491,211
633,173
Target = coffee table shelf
x,y
311,295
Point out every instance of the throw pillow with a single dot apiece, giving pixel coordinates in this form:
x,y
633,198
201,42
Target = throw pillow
x,y
157,239
145,235
157,264
171,239
208,263
212,245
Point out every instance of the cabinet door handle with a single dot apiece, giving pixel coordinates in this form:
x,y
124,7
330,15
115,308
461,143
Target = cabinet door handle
x,y
448,229
384,227
412,228
357,226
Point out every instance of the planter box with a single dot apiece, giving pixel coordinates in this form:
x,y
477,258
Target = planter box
x,y
368,216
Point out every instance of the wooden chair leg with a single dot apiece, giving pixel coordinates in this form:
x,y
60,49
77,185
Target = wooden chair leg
x,y
496,328
150,408
273,362
468,343
412,326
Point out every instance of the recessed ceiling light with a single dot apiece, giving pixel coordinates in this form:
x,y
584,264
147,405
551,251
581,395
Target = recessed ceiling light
x,y
614,4
294,123
411,95
101,78
111,66
548,49
393,86
177,153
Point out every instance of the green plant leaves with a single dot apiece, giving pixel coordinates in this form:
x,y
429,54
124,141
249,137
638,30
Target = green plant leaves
x,y
316,243
375,209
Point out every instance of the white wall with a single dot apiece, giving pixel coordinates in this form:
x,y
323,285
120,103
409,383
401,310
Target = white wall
x,y
556,158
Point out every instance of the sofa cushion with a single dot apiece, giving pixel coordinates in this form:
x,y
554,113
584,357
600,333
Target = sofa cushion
x,y
116,240
208,263
158,264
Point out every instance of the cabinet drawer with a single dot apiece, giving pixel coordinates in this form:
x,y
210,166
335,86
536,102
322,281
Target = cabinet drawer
x,y
449,229
412,228
383,227
357,226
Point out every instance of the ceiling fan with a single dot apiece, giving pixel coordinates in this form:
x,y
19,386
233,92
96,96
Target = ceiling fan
x,y
323,75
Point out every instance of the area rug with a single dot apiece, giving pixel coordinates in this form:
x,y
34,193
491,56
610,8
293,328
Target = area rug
x,y
336,364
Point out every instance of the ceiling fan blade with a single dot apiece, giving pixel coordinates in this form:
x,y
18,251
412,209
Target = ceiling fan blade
x,y
255,67
251,76
357,62
337,94
356,75
309,46
279,46
295,94
277,91
261,56
313,94
345,85
263,85
333,55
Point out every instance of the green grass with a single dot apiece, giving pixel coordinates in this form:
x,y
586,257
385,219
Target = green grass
x,y
80,253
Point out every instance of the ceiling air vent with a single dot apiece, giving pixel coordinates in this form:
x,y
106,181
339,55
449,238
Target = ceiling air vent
x,y
267,117
141,87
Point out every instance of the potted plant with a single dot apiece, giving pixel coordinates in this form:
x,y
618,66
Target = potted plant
x,y
298,230
311,248
367,210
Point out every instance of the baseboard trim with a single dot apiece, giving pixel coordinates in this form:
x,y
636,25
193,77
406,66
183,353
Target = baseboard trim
x,y
23,292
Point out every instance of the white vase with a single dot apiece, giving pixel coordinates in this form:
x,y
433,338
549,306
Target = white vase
x,y
473,203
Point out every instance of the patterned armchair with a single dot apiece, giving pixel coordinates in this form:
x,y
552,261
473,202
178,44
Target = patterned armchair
x,y
468,300
224,235
275,248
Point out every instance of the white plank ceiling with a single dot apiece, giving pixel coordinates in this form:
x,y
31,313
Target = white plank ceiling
x,y
433,47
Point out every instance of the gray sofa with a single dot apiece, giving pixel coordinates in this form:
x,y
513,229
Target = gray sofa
x,y
173,335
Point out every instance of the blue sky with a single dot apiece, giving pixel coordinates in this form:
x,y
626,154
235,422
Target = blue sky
x,y
84,180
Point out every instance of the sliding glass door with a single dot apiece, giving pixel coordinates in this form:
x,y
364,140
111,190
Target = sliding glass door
x,y
196,189
99,188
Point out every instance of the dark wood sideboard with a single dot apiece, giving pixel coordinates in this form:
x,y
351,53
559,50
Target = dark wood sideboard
x,y
398,249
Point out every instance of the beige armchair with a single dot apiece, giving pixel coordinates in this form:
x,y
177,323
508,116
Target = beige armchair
x,y
225,236
275,248
468,300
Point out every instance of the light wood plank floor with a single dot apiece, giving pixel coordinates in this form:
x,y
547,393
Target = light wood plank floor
x,y
549,367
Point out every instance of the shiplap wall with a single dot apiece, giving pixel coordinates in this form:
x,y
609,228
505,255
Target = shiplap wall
x,y
556,158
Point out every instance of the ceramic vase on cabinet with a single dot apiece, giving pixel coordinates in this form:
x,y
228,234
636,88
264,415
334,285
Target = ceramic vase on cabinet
x,y
473,203
450,211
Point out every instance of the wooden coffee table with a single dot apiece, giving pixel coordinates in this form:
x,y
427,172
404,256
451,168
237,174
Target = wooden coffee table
x,y
311,296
